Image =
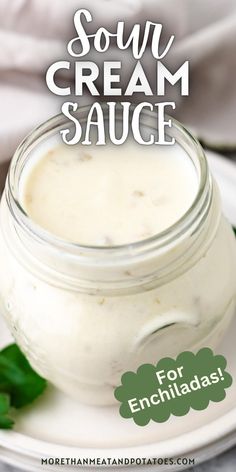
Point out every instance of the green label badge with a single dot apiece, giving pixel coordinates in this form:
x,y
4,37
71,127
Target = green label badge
x,y
173,387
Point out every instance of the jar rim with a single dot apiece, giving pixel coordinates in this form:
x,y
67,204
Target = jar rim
x,y
157,241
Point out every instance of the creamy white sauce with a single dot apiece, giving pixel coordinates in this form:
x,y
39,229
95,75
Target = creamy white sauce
x,y
84,342
109,195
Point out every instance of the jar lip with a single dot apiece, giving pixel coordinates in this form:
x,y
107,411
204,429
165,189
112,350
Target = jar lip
x,y
156,241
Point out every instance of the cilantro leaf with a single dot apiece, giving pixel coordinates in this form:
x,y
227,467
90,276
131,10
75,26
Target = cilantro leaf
x,y
5,421
17,378
234,229
19,383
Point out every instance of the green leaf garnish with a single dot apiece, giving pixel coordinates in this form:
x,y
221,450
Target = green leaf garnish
x,y
5,421
234,229
20,385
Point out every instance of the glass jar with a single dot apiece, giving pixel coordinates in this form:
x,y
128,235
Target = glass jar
x,y
84,315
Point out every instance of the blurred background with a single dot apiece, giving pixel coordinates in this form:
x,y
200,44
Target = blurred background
x,y
34,34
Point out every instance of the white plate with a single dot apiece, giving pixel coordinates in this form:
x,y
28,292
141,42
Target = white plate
x,y
58,427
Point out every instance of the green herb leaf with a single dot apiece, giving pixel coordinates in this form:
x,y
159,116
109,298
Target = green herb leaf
x,y
5,421
19,383
18,379
234,229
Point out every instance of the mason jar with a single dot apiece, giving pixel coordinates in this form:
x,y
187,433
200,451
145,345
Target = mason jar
x,y
85,315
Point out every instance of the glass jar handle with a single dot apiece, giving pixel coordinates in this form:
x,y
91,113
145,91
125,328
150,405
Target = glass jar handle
x,y
164,321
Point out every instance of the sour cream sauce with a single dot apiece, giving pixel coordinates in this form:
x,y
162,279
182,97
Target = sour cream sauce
x,y
83,316
112,195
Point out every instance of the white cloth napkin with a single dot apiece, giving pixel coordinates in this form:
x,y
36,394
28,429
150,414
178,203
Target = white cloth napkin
x,y
34,34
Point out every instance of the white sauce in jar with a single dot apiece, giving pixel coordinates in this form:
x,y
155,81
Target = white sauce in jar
x,y
113,195
83,337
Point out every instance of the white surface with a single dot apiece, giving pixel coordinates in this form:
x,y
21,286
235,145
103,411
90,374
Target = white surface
x,y
56,426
